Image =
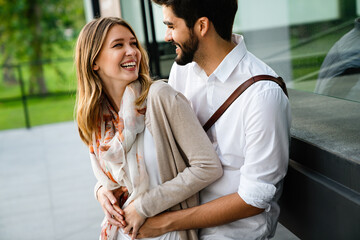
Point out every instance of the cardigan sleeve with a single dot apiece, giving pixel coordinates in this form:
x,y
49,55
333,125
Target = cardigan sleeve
x,y
186,157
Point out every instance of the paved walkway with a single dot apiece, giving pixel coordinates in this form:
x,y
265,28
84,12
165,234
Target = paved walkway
x,y
46,186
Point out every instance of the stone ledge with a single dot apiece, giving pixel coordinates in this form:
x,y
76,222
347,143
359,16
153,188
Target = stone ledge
x,y
328,123
326,136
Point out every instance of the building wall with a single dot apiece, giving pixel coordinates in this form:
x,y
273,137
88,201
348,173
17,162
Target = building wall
x,y
269,14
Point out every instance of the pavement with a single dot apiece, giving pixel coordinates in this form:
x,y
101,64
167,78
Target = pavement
x,y
46,186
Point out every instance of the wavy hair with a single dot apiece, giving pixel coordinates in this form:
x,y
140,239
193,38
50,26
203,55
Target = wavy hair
x,y
90,88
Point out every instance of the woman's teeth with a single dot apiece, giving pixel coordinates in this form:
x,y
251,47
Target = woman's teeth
x,y
128,65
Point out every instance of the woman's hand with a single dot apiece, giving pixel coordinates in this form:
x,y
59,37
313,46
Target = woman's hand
x,y
110,204
133,219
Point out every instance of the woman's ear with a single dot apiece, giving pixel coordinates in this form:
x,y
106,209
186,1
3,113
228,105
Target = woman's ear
x,y
203,25
95,67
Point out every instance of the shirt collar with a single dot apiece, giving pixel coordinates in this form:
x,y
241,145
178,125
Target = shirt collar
x,y
228,64
199,71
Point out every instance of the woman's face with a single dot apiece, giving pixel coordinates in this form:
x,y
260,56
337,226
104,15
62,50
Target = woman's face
x,y
119,57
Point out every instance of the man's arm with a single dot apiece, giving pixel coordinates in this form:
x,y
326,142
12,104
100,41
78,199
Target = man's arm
x,y
217,212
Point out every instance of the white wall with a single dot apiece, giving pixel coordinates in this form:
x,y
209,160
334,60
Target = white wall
x,y
131,12
251,15
89,13
261,14
110,8
264,14
160,27
307,11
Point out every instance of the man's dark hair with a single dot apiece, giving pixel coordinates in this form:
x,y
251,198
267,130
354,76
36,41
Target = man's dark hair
x,y
220,13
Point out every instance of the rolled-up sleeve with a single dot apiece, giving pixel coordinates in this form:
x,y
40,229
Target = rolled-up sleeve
x,y
267,126
255,193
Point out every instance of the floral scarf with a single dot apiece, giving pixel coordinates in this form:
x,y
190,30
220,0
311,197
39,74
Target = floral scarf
x,y
117,150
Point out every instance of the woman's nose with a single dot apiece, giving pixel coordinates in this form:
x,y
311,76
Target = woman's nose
x,y
130,50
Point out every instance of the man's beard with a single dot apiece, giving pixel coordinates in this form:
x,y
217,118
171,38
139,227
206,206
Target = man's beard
x,y
188,50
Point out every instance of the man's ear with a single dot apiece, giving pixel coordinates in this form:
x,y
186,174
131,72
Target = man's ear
x,y
203,25
95,67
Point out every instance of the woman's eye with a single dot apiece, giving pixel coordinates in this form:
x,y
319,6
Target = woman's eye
x,y
134,43
118,45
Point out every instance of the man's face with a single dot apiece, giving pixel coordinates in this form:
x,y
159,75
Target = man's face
x,y
181,36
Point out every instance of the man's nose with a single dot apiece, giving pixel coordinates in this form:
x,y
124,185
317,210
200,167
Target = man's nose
x,y
168,35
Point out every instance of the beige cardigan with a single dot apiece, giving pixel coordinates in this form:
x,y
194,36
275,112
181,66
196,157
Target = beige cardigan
x,y
187,161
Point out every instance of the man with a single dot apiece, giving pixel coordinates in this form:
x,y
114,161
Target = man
x,y
252,136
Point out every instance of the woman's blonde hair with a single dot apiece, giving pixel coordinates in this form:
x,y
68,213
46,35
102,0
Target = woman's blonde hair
x,y
90,90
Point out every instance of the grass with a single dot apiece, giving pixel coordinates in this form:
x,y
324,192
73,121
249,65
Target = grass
x,y
60,77
42,110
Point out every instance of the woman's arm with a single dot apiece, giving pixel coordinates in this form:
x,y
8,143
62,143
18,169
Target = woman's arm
x,y
170,112
109,201
173,113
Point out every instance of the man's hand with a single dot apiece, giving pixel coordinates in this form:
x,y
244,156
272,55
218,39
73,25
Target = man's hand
x,y
110,204
154,227
133,220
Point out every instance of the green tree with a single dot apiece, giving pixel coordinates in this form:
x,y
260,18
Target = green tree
x,y
31,30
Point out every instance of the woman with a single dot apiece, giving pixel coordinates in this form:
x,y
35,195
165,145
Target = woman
x,y
142,135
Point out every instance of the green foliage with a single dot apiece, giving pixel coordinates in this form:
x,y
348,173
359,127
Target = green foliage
x,y
33,31
41,34
57,18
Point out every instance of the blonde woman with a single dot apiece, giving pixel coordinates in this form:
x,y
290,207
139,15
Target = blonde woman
x,y
142,135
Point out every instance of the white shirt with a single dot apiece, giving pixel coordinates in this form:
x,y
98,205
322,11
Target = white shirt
x,y
152,169
251,138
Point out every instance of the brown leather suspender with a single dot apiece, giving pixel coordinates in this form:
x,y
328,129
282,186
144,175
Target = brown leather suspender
x,y
238,92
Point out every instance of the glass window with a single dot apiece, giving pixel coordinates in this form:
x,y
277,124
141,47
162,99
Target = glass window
x,y
313,47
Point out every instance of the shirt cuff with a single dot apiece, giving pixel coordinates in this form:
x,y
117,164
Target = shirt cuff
x,y
257,194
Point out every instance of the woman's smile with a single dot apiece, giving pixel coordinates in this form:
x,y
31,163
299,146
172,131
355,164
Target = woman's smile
x,y
119,58
129,65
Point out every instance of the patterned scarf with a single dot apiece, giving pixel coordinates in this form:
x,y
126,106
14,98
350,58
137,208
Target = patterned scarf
x,y
117,150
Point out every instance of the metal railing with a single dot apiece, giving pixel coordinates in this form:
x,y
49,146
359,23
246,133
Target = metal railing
x,y
17,70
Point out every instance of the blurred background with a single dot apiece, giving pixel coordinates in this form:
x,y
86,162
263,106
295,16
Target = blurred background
x,y
313,45
37,38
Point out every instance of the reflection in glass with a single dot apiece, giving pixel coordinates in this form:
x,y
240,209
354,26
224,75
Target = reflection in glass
x,y
339,74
